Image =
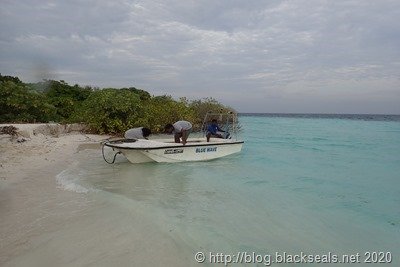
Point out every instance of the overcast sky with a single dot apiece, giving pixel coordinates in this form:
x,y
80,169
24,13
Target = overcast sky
x,y
318,56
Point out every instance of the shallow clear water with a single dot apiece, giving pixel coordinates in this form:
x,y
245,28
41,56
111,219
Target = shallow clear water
x,y
312,185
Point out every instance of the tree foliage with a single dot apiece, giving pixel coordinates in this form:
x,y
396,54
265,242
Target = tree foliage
x,y
110,111
143,95
10,79
202,106
104,111
161,110
64,97
20,104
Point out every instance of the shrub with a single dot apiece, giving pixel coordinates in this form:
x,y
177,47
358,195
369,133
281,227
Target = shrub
x,y
160,110
203,106
104,111
110,111
20,104
64,97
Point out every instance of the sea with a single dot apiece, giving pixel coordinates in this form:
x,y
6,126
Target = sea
x,y
306,190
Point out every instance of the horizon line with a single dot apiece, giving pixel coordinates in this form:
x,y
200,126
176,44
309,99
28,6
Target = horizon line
x,y
314,113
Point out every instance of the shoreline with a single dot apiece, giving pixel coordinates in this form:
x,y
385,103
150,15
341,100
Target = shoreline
x,y
28,188
44,224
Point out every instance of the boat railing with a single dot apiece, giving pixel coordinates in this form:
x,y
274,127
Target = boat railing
x,y
227,122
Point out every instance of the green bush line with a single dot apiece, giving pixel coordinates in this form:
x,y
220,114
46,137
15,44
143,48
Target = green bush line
x,y
105,111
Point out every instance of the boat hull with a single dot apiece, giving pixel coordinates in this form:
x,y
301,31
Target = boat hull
x,y
171,152
135,156
194,153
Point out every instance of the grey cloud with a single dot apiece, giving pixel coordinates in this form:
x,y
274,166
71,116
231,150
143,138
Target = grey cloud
x,y
254,55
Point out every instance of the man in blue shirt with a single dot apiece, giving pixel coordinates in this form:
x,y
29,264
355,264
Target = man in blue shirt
x,y
214,130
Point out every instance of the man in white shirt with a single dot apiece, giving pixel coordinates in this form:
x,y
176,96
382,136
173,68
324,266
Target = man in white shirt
x,y
137,133
180,129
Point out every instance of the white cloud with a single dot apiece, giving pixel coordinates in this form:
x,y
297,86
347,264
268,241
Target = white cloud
x,y
248,54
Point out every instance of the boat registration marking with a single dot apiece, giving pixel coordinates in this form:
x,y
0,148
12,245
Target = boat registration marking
x,y
173,151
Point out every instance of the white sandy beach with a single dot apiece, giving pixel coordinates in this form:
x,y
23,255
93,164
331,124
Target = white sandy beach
x,y
43,225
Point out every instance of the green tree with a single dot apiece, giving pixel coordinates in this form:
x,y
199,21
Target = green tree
x,y
110,111
143,95
20,104
10,78
64,97
104,111
160,110
202,106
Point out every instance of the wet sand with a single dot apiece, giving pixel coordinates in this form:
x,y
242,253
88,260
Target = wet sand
x,y
43,225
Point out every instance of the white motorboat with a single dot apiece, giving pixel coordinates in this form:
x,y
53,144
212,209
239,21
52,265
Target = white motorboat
x,y
196,149
166,150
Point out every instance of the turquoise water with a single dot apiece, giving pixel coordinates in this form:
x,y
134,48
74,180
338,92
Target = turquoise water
x,y
311,185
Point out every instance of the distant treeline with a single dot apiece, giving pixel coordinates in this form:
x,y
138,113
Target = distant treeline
x,y
108,110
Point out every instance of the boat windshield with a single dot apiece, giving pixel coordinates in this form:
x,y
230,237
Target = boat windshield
x,y
228,122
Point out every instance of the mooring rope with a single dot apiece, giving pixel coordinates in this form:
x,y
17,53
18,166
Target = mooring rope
x,y
115,155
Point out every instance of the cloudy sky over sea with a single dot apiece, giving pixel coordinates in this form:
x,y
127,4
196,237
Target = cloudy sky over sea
x,y
258,56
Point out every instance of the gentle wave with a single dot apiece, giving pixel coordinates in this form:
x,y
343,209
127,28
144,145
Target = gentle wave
x,y
68,182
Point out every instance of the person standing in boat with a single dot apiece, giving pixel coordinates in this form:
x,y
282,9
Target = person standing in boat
x,y
180,129
137,133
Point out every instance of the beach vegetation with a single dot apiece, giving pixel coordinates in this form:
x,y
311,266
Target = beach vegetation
x,y
18,103
161,110
109,110
64,97
207,105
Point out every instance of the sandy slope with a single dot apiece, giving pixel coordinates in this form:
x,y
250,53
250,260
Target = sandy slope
x,y
43,225
28,191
